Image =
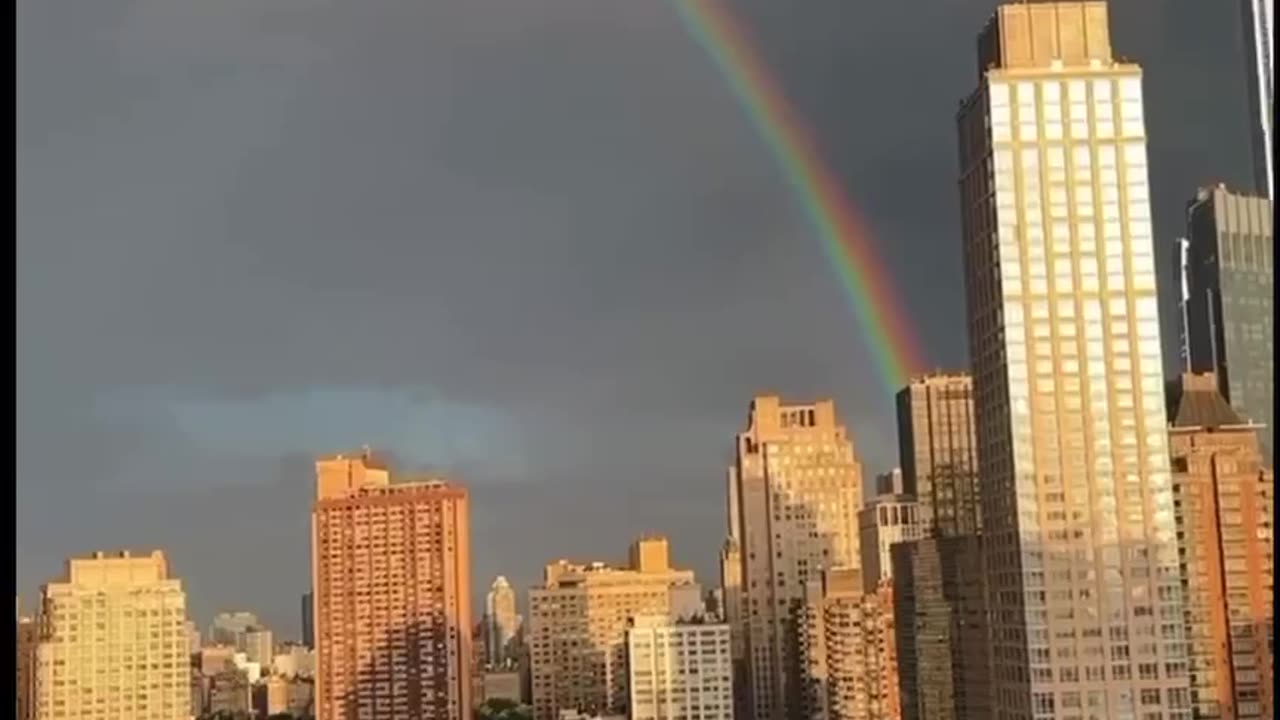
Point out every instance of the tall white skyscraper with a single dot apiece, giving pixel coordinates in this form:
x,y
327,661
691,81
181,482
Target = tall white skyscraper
x,y
501,623
1261,62
1080,548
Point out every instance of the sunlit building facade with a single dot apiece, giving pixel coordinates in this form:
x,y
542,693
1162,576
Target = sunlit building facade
x,y
113,641
1080,551
679,669
501,624
794,493
883,523
578,622
1225,507
392,592
847,643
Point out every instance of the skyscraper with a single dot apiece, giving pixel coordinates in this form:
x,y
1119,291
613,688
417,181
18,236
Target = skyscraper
x,y
308,620
1077,508
1230,288
795,488
679,669
113,641
1261,63
391,577
501,623
937,452
941,629
578,622
1225,507
28,636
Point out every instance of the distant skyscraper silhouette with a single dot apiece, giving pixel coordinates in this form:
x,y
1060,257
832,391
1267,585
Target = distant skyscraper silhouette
x,y
1258,17
1230,280
501,623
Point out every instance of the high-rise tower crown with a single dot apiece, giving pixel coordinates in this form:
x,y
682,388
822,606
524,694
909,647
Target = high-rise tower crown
x,y
1045,34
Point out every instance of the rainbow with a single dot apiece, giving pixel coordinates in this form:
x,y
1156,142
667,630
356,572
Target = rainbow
x,y
845,240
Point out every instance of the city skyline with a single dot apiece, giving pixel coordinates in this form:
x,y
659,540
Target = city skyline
x,y
151,487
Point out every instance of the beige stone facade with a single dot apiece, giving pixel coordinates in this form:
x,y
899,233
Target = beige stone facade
x,y
578,623
113,641
794,493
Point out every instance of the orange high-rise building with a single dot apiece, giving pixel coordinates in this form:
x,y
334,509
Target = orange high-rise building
x,y
847,640
391,571
1224,503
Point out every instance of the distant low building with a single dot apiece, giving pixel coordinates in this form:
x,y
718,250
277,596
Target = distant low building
x,y
294,660
501,684
228,628
229,692
271,696
214,659
259,645
578,625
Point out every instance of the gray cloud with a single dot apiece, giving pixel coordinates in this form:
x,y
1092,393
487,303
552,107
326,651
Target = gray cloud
x,y
290,217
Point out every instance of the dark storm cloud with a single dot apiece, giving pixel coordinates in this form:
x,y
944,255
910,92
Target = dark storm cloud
x,y
536,244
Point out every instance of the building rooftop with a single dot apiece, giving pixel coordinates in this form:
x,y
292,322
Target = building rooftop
x,y
1193,401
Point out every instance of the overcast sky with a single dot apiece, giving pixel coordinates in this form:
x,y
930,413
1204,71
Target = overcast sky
x,y
534,243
